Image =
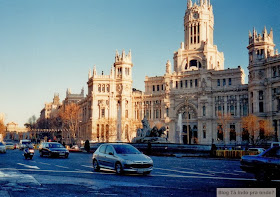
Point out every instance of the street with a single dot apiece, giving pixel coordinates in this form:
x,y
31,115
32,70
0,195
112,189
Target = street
x,y
172,176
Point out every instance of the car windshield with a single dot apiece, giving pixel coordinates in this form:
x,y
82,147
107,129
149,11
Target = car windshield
x,y
25,142
9,144
55,146
126,149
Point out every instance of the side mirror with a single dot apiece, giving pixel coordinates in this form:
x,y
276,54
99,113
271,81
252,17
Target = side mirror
x,y
110,153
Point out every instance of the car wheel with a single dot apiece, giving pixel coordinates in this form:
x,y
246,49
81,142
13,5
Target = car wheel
x,y
66,156
118,168
50,154
262,176
41,154
95,165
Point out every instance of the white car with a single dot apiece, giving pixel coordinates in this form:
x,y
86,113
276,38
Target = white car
x,y
2,148
259,150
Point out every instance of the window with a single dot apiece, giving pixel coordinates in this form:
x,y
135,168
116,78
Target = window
x,y
232,110
261,95
191,83
126,113
181,84
154,88
224,82
195,82
204,131
245,135
157,87
109,149
220,133
102,149
232,134
167,112
186,83
204,111
176,84
218,82
229,81
103,113
261,107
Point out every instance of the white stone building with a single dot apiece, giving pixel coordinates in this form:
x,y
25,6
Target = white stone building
x,y
188,99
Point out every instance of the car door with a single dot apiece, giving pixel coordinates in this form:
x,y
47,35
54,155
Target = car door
x,y
101,157
110,157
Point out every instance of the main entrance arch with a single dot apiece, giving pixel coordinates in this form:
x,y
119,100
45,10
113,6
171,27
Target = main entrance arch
x,y
186,130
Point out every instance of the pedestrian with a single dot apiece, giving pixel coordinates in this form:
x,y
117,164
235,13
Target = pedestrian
x,y
87,146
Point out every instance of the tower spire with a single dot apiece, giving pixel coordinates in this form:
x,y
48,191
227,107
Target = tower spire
x,y
189,4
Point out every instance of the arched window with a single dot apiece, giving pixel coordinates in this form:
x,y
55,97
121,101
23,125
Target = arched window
x,y
195,63
99,88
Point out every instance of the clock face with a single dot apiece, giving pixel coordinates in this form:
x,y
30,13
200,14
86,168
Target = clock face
x,y
195,15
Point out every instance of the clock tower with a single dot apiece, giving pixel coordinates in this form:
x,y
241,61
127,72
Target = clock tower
x,y
198,51
198,24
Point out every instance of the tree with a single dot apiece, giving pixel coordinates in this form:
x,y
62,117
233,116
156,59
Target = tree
x,y
31,123
69,115
2,129
222,122
256,130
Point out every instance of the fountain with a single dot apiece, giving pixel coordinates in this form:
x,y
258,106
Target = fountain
x,y
147,134
180,126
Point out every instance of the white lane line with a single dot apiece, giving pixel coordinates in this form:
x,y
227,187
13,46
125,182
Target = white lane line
x,y
223,173
62,167
184,172
206,177
87,166
28,166
45,163
239,171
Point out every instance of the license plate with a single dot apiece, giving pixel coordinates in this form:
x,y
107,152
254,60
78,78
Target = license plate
x,y
61,153
140,170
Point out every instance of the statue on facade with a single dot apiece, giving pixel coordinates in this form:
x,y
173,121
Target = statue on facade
x,y
147,134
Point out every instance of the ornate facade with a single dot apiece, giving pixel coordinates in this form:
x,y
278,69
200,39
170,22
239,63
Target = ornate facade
x,y
189,99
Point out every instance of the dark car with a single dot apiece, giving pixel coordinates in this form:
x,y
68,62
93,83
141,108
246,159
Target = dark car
x,y
121,158
265,166
53,149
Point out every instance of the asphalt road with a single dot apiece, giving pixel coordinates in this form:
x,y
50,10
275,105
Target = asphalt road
x,y
172,176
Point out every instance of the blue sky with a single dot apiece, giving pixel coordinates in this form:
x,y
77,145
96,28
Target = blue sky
x,y
49,46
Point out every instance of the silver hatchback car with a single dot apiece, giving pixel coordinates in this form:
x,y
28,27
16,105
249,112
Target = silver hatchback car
x,y
121,158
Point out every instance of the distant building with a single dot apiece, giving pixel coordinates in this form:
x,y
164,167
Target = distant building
x,y
14,132
51,108
189,97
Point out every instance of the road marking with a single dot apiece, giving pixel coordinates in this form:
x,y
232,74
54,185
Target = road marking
x,y
87,166
184,172
239,171
62,166
45,163
222,173
28,166
207,177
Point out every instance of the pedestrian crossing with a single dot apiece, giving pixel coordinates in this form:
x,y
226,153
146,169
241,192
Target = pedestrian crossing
x,y
12,179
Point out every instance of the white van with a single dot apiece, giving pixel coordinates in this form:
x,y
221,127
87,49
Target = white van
x,y
275,144
23,143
